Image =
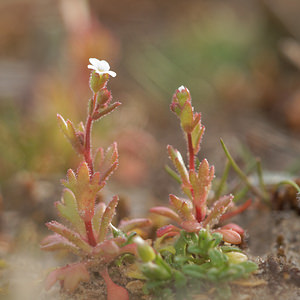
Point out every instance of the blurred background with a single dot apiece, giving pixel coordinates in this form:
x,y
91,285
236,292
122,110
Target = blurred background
x,y
240,60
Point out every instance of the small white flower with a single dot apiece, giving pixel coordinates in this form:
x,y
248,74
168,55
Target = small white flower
x,y
101,67
182,89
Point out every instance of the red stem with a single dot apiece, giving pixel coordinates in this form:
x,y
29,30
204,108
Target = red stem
x,y
87,150
89,161
90,233
236,211
191,152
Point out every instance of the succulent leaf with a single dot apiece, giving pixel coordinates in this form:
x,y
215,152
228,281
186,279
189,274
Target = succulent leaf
x,y
230,236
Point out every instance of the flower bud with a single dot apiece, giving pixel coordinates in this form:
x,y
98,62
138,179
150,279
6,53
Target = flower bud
x,y
104,97
97,81
236,257
182,95
145,251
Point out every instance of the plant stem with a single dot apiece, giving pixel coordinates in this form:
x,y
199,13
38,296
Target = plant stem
x,y
90,233
191,152
290,182
241,174
87,150
223,180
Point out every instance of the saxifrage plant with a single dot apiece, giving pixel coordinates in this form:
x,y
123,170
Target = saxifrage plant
x,y
90,234
197,248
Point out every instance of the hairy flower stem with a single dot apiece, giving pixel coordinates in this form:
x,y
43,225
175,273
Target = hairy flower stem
x,y
191,152
89,161
87,150
90,233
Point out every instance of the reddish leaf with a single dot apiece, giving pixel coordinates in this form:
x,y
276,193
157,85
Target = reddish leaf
x,y
166,212
70,276
114,291
70,235
57,242
235,228
168,229
128,225
230,236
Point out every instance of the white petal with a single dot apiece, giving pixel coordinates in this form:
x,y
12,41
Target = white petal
x,y
181,88
92,67
112,73
103,65
94,61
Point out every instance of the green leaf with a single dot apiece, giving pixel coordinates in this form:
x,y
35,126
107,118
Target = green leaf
x,y
70,133
107,218
186,118
67,209
195,271
230,249
99,210
249,266
217,258
85,189
197,134
179,164
182,207
155,272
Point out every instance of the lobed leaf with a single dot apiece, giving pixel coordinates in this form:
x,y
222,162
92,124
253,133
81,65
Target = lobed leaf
x,y
70,276
85,189
218,210
107,218
57,242
182,207
107,163
67,208
70,235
